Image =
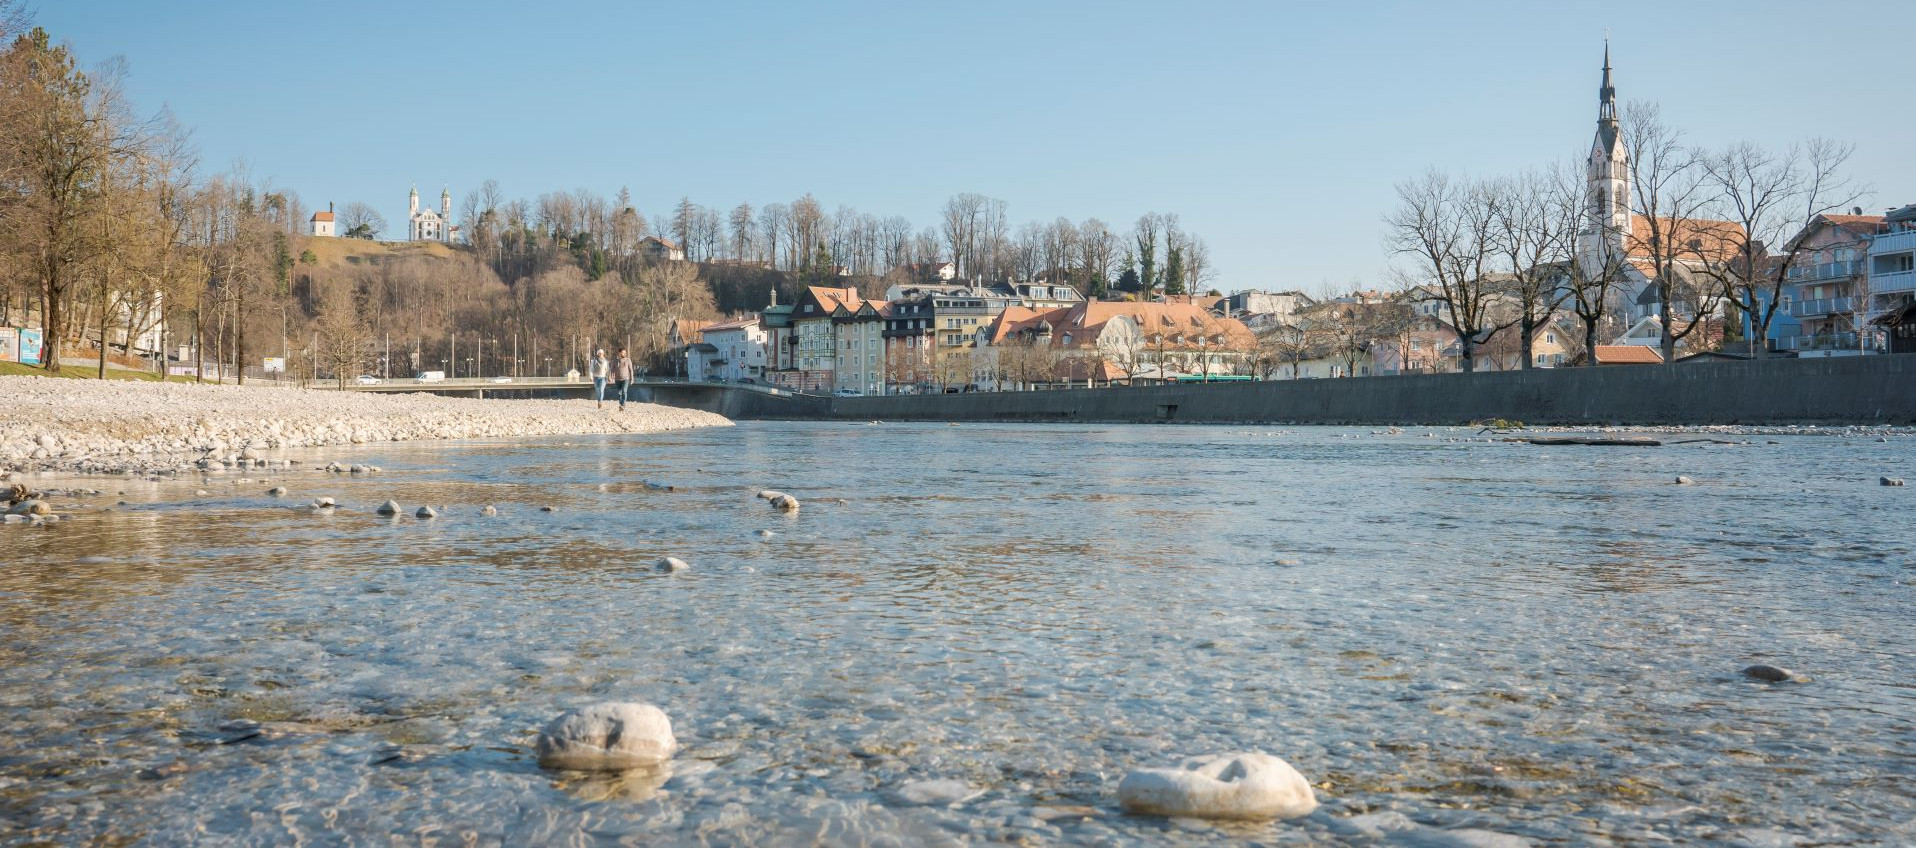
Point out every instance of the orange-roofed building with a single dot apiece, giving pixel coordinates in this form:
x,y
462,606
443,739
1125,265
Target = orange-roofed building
x,y
1628,355
1105,340
323,224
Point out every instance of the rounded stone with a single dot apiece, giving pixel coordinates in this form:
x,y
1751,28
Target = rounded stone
x,y
607,737
671,565
277,491
785,503
324,503
426,512
1769,673
490,510
1890,481
1245,786
769,494
388,508
1684,481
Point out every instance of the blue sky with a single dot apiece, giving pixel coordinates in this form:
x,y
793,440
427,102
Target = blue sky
x,y
1275,130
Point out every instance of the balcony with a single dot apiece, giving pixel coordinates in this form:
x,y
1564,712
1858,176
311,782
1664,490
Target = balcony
x,y
1822,306
1893,242
1826,271
1892,282
1838,342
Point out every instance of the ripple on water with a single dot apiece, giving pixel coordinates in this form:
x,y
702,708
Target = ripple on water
x,y
1440,634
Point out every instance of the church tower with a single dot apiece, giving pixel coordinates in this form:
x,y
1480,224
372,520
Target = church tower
x,y
1607,177
445,214
412,203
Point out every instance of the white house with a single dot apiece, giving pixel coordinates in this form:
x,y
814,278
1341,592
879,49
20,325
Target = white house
x,y
322,223
731,351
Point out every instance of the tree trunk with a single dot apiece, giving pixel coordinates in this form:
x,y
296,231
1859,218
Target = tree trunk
x,y
50,307
239,337
1528,336
103,322
1589,342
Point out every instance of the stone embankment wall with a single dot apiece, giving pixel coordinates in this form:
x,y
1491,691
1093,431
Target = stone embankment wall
x,y
1839,390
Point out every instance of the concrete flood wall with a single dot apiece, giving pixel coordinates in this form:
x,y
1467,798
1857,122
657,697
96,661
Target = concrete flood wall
x,y
1858,389
737,403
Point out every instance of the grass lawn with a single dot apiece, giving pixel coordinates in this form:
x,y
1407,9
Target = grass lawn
x,y
83,372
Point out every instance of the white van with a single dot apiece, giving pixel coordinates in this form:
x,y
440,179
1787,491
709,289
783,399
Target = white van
x,y
430,376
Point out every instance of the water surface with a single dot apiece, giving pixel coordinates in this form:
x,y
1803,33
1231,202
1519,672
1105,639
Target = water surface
x,y
1442,634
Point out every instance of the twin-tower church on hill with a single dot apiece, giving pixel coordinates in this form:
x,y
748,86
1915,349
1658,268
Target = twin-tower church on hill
x,y
422,224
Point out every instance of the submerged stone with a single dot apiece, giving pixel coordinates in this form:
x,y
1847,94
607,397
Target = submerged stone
x,y
1241,786
607,737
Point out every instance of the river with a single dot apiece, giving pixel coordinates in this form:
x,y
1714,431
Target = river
x,y
1476,637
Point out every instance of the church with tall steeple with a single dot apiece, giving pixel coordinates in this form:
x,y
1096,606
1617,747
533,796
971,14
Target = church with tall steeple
x,y
1606,223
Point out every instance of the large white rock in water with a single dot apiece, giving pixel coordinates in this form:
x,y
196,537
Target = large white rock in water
x,y
1242,786
607,737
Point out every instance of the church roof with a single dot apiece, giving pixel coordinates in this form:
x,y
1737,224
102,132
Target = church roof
x,y
322,216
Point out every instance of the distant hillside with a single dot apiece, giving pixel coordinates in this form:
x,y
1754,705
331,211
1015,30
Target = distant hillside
x,y
332,253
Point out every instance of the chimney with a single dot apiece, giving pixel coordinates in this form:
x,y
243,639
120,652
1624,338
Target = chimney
x,y
329,206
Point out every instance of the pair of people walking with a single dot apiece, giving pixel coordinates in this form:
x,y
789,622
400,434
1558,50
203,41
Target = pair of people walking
x,y
617,371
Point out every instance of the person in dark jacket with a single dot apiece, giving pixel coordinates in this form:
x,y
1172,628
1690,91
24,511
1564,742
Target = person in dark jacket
x,y
622,375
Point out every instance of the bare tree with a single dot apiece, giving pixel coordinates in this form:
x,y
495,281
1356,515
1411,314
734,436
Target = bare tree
x,y
1533,238
1447,227
1669,191
1770,197
361,220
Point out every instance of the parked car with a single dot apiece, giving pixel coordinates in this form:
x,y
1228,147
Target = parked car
x,y
748,381
848,393
367,380
430,376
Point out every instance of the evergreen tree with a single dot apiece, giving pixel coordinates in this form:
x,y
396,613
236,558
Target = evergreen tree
x,y
1174,271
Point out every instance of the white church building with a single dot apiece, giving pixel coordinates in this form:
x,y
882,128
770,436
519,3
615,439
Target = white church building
x,y
429,225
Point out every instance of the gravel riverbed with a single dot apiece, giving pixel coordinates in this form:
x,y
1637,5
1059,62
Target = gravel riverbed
x,y
100,427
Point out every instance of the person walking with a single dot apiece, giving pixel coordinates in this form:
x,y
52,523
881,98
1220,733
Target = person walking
x,y
622,374
598,368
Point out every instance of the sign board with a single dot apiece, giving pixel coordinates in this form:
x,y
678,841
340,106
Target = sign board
x,y
29,347
9,344
275,365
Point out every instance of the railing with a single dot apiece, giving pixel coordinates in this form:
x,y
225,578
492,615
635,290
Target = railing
x,y
1826,270
1826,341
1822,306
1894,281
1892,242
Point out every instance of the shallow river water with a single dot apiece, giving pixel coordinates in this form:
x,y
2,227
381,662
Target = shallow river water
x,y
1457,642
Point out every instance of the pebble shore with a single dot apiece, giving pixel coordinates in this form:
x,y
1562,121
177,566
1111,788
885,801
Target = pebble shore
x,y
113,427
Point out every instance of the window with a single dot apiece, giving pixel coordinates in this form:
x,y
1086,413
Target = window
x,y
808,307
1549,338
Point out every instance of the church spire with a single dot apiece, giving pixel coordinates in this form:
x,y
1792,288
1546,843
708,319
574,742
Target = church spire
x,y
1607,95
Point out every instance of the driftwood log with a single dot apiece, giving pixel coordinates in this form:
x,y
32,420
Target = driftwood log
x,y
1582,440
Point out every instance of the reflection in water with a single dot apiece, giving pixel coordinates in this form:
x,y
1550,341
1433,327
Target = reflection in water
x,y
1541,642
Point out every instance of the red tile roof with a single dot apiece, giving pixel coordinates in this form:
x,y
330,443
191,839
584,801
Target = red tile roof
x,y
1628,355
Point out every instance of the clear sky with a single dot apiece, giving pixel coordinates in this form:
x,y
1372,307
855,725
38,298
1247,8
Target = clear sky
x,y
1275,130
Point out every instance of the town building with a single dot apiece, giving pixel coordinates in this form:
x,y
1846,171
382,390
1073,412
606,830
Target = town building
x,y
680,337
1892,276
815,338
660,249
781,342
858,328
1259,309
1828,286
1103,341
427,224
730,351
322,225
908,344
